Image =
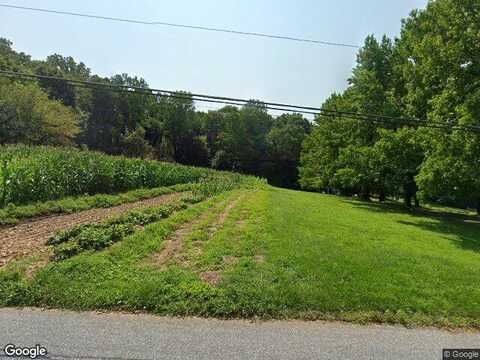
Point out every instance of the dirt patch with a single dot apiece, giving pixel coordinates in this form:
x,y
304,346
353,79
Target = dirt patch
x,y
259,259
41,263
30,237
222,218
174,245
230,260
211,277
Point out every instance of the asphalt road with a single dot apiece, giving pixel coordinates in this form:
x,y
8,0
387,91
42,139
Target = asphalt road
x,y
68,335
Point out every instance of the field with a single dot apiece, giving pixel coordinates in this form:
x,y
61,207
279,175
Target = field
x,y
39,181
29,174
250,250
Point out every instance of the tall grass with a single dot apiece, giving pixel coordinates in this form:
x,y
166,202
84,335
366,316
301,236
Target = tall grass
x,y
31,173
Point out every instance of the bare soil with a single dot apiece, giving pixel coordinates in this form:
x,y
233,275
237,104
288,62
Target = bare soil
x,y
29,237
211,277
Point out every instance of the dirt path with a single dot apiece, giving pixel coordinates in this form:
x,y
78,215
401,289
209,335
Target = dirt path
x,y
29,237
175,243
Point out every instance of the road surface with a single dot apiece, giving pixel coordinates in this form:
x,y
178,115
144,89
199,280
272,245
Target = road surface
x,y
68,335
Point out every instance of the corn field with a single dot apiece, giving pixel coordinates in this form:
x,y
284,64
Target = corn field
x,y
31,173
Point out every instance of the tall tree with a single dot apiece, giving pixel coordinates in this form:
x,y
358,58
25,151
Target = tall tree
x,y
28,116
440,48
284,144
244,144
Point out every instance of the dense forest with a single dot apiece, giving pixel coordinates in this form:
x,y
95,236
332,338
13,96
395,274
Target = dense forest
x,y
431,72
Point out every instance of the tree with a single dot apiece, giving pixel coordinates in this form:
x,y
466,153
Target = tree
x,y
29,116
244,138
321,149
62,67
284,144
399,155
440,53
214,125
134,144
99,128
12,60
356,172
452,169
371,87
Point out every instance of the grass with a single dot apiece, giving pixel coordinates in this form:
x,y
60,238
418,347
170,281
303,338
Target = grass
x,y
280,254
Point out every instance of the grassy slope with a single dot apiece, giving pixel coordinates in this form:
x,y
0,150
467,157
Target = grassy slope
x,y
365,261
297,255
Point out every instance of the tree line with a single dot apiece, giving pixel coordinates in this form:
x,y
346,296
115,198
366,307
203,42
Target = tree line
x,y
431,71
168,128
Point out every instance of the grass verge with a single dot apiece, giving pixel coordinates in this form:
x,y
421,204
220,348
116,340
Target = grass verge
x,y
278,254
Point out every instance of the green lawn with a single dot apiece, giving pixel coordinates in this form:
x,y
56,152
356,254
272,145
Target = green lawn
x,y
279,254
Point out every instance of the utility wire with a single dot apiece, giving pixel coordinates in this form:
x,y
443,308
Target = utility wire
x,y
194,27
234,101
124,89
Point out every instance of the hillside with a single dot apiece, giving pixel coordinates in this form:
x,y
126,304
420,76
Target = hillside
x,y
259,251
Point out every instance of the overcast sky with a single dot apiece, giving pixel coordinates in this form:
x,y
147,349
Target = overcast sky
x,y
212,63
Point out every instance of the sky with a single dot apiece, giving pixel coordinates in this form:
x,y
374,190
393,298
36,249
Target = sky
x,y
212,63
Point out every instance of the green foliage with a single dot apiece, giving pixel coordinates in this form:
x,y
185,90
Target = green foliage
x,y
134,124
27,115
11,214
73,241
322,147
215,184
244,139
284,144
100,236
431,72
31,174
134,144
67,250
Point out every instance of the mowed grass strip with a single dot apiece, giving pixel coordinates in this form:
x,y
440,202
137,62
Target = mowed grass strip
x,y
280,254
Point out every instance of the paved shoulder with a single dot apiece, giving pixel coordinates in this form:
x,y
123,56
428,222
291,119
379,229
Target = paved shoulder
x,y
68,335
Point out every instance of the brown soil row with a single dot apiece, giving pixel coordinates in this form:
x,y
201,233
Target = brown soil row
x,y
29,238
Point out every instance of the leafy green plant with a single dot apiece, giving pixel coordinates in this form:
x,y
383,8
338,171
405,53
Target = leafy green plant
x,y
37,173
99,236
67,250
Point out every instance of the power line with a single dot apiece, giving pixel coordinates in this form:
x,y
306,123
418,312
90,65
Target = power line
x,y
184,26
239,102
380,119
